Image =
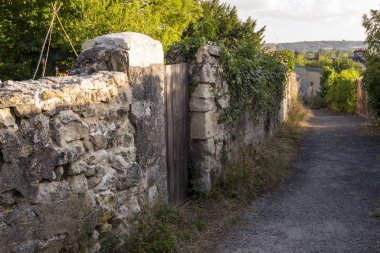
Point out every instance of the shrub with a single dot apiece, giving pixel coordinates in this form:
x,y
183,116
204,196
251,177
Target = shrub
x,y
342,92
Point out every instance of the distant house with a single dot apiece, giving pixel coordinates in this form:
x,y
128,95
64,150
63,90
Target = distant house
x,y
310,79
359,55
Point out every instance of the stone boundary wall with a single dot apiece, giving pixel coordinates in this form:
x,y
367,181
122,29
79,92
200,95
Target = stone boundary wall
x,y
212,140
80,155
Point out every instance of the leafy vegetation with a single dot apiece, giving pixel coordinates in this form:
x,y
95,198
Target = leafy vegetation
x,y
339,60
24,24
256,80
159,229
338,81
371,79
255,76
341,92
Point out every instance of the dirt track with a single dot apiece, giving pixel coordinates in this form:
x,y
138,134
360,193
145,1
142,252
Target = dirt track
x,y
325,205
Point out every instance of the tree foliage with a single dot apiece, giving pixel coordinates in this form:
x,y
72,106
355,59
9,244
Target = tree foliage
x,y
371,79
341,92
256,80
255,76
24,24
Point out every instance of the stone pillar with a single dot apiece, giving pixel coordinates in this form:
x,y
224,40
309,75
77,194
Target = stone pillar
x,y
205,108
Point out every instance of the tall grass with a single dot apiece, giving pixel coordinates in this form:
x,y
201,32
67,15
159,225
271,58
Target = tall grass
x,y
258,168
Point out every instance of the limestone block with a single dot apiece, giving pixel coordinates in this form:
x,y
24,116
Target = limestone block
x,y
77,168
202,91
203,184
52,107
119,163
78,184
209,146
223,102
213,50
7,198
143,51
131,176
90,164
207,54
203,73
203,125
63,156
67,216
41,133
108,181
58,173
202,105
6,118
9,138
51,94
98,140
27,110
128,153
152,195
203,164
68,127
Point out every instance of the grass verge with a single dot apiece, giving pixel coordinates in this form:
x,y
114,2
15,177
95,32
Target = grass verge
x,y
199,224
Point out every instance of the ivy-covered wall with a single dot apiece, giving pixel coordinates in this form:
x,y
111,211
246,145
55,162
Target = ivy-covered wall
x,y
214,138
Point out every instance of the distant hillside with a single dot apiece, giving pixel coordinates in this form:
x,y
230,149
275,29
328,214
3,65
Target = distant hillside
x,y
316,45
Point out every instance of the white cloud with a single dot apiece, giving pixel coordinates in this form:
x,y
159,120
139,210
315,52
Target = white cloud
x,y
294,20
307,10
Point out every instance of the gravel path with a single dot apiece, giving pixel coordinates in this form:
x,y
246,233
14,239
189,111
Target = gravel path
x,y
325,205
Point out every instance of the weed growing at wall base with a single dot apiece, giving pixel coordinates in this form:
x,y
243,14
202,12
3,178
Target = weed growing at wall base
x,y
198,225
259,168
156,230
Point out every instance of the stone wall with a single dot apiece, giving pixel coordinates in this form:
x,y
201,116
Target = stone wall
x,y
80,155
212,140
362,99
310,79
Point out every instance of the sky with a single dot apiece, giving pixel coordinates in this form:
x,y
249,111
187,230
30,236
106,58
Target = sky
x,y
307,20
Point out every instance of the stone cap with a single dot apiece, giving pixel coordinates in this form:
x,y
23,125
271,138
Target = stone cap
x,y
49,93
143,51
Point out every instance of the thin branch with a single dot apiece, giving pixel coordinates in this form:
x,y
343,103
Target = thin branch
x,y
67,36
46,38
47,53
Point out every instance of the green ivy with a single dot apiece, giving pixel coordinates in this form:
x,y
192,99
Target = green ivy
x,y
256,80
255,76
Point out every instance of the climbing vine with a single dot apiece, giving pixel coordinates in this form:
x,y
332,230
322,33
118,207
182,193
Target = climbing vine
x,y
256,80
255,76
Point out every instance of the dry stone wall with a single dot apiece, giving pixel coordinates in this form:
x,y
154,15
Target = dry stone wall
x,y
80,155
212,140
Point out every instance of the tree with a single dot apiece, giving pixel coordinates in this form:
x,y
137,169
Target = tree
x,y
343,63
371,79
287,58
300,59
24,25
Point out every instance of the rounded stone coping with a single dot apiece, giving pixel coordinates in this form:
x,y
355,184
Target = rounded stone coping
x,y
143,51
